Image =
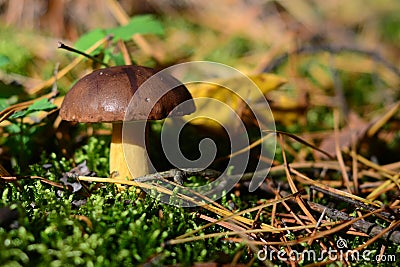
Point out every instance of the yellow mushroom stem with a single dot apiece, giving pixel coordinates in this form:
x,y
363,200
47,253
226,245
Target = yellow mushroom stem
x,y
132,151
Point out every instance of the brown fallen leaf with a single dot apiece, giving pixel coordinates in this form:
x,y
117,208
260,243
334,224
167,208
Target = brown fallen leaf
x,y
354,130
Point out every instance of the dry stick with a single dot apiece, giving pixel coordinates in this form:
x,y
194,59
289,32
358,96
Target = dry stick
x,y
221,208
395,203
379,211
37,89
178,175
43,180
300,140
387,185
123,19
293,136
274,207
381,253
352,201
383,233
294,215
339,226
252,145
331,165
287,172
338,151
354,167
270,228
257,217
292,185
298,219
383,120
314,232
372,229
125,52
392,166
229,226
71,49
294,190
251,231
210,173
288,249
184,172
320,186
24,81
370,164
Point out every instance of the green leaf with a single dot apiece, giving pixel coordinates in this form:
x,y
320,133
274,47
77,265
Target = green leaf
x,y
88,39
40,105
118,58
18,114
139,24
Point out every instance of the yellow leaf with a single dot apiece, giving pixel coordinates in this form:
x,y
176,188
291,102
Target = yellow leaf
x,y
223,101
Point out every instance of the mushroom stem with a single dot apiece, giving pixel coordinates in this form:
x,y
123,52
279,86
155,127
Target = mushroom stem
x,y
133,150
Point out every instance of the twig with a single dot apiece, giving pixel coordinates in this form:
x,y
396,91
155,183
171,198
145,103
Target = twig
x,y
71,49
300,140
178,174
210,173
354,202
371,229
125,52
292,185
43,180
40,87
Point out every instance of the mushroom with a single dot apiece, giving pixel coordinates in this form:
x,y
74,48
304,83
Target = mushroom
x,y
104,96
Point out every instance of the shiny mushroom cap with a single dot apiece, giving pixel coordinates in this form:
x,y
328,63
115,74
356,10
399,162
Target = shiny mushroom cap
x,y
105,94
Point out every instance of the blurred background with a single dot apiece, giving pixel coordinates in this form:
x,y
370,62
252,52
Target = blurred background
x,y
245,32
333,54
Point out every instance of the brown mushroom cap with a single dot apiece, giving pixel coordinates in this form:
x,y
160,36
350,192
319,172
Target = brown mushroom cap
x,y
104,96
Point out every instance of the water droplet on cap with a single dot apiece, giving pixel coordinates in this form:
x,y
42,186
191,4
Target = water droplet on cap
x,y
147,99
